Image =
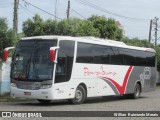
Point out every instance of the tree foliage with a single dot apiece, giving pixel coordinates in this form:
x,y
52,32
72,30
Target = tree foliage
x,y
50,27
77,27
34,27
7,36
93,26
107,27
137,42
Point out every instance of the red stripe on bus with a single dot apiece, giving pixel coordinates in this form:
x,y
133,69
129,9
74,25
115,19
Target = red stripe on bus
x,y
121,89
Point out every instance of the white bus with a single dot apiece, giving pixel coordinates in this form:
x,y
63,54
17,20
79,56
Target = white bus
x,y
61,67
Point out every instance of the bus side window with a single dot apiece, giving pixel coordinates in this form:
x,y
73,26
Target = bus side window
x,y
61,66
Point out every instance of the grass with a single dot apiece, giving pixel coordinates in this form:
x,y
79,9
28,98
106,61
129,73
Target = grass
x,y
7,98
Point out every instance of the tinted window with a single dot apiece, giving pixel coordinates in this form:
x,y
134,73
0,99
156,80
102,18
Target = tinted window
x,y
140,58
129,57
84,53
150,57
117,57
99,54
90,53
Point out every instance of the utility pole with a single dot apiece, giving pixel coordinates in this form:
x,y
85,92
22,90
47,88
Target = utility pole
x,y
15,16
68,9
55,10
156,29
150,31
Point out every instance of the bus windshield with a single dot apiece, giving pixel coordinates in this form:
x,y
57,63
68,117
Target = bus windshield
x,y
31,60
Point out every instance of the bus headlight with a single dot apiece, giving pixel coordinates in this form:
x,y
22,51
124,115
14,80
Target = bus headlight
x,y
46,86
13,85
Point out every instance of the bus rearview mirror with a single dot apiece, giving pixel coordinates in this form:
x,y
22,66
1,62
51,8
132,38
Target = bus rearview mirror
x,y
6,53
52,53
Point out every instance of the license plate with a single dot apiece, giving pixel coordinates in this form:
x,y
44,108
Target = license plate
x,y
27,93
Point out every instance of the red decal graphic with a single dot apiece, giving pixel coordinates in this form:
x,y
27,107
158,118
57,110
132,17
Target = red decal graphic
x,y
101,72
121,89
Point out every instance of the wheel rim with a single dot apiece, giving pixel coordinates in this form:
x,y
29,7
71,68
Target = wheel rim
x,y
78,95
137,91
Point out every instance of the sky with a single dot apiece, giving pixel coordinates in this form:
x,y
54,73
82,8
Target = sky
x,y
134,15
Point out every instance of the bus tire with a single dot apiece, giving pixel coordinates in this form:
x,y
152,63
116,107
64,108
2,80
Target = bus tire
x,y
136,93
44,101
80,95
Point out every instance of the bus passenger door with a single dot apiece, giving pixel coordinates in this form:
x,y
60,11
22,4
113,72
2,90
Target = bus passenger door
x,y
63,72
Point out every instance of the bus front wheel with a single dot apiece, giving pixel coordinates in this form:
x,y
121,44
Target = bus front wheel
x,y
80,95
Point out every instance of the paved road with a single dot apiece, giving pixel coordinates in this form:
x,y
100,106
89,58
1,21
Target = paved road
x,y
147,102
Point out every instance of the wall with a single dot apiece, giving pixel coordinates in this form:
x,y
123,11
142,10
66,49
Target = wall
x,y
5,78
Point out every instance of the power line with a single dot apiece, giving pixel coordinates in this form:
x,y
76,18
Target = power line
x,y
6,4
109,12
41,9
89,4
78,13
3,6
26,9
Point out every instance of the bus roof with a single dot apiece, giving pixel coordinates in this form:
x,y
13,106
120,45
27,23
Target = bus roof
x,y
93,40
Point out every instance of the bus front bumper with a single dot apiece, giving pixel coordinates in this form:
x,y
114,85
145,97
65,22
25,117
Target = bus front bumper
x,y
45,94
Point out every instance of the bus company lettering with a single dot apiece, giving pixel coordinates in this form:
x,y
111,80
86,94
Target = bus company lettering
x,y
100,72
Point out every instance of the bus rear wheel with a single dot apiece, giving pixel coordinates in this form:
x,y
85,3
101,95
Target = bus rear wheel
x,y
137,92
80,95
44,101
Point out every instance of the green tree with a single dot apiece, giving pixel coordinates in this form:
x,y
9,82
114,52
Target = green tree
x,y
119,34
77,27
87,29
65,27
3,34
50,27
7,36
137,42
72,27
33,27
107,27
20,35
